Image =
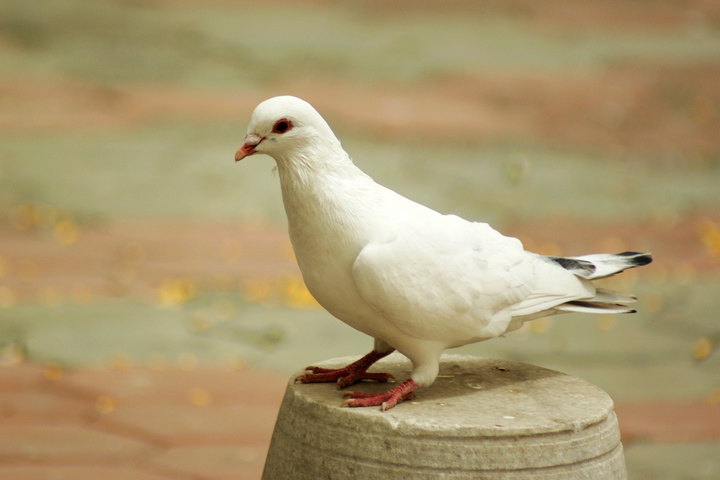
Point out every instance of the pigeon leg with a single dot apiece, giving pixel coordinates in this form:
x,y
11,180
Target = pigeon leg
x,y
386,400
354,372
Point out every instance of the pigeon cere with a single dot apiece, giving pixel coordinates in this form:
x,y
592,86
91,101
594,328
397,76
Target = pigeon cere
x,y
415,280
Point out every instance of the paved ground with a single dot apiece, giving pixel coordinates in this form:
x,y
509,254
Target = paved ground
x,y
135,424
210,423
155,407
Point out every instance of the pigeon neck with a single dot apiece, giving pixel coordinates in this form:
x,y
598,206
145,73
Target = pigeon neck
x,y
309,165
318,187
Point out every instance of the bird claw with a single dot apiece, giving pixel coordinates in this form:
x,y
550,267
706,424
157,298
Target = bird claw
x,y
386,400
343,376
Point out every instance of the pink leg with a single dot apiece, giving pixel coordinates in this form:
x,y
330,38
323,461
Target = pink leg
x,y
354,372
386,400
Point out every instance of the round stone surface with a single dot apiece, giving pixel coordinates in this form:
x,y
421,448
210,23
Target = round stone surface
x,y
482,418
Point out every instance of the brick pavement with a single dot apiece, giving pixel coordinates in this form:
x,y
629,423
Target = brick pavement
x,y
199,424
135,424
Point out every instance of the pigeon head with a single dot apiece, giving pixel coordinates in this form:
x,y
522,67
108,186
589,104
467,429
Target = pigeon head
x,y
286,127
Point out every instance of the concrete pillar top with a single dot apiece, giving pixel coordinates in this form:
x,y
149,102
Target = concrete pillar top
x,y
480,415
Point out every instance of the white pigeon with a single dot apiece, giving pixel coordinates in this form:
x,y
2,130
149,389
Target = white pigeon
x,y
415,280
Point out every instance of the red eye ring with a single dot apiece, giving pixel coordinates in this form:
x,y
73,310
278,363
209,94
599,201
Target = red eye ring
x,y
282,126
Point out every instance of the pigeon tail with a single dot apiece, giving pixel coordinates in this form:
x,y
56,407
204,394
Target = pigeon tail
x,y
596,267
602,265
604,301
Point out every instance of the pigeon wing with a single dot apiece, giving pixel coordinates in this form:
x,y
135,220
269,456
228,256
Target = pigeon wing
x,y
448,279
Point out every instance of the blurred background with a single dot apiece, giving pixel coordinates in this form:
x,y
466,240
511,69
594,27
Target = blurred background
x,y
130,240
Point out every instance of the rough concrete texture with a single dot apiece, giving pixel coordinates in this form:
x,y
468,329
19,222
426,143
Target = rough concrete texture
x,y
482,418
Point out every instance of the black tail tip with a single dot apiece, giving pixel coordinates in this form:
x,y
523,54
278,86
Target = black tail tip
x,y
637,259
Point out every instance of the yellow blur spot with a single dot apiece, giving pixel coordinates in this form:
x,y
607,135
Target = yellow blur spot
x,y
66,231
708,233
540,325
32,216
52,371
199,397
295,294
105,404
121,361
288,290
702,349
173,292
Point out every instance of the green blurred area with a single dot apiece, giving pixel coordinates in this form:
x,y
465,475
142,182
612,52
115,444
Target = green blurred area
x,y
242,44
186,171
177,164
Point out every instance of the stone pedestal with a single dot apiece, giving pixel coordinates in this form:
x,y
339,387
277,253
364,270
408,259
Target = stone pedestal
x,y
481,419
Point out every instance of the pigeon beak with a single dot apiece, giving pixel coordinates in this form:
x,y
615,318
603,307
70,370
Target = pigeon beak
x,y
251,141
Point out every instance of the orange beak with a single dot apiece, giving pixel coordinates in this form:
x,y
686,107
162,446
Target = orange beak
x,y
251,141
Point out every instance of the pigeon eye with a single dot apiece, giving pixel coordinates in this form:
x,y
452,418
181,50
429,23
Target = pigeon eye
x,y
282,126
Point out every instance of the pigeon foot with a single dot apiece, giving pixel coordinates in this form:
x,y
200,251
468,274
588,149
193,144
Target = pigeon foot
x,y
386,400
346,376
343,376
